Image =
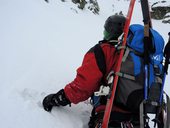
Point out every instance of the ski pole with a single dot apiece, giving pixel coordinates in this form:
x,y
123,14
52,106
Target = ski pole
x,y
167,61
147,41
144,119
146,58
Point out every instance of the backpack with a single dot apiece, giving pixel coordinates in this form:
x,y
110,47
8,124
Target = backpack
x,y
130,88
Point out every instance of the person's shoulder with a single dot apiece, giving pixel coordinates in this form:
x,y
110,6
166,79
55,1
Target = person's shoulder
x,y
103,44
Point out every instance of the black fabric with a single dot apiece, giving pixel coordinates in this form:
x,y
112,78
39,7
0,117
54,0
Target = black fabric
x,y
100,58
154,92
103,41
149,108
115,119
167,56
95,119
134,100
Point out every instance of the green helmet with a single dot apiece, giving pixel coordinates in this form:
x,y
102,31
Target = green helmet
x,y
113,27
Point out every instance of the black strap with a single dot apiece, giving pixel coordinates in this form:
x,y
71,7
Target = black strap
x,y
100,58
99,54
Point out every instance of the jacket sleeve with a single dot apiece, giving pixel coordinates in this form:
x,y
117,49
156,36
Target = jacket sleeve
x,y
87,80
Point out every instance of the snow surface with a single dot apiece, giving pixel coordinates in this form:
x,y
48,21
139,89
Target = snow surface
x,y
41,45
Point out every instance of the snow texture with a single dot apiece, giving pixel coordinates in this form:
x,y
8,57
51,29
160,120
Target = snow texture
x,y
41,45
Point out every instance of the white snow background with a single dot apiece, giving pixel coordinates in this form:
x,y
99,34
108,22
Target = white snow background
x,y
41,46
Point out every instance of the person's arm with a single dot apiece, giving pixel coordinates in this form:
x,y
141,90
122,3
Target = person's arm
x,y
81,88
86,82
89,75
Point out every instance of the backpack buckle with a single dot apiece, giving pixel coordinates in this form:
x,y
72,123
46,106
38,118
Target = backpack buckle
x,y
103,91
110,77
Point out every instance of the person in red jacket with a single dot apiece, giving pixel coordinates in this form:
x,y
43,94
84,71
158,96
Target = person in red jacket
x,y
92,72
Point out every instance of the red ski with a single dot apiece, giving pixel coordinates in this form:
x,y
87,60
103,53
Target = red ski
x,y
114,83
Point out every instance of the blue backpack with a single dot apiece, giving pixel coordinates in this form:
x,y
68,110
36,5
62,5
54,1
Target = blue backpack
x,y
130,88
131,78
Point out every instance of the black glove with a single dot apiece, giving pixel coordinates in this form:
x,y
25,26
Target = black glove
x,y
58,99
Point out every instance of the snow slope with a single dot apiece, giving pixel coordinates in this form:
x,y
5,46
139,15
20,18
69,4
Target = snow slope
x,y
41,45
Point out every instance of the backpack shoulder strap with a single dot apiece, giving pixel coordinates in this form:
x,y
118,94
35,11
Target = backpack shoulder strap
x,y
100,58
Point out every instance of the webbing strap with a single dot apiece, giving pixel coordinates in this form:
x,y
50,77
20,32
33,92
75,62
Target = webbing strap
x,y
120,47
141,115
120,74
158,80
128,50
124,75
136,52
113,41
126,54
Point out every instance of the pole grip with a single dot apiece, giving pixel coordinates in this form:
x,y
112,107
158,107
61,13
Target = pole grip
x,y
146,30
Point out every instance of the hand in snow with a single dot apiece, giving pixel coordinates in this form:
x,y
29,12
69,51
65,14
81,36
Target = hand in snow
x,y
58,99
48,102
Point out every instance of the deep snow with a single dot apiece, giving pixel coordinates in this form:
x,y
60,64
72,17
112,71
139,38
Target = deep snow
x,y
41,45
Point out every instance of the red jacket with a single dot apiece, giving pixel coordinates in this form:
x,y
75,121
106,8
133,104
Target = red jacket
x,y
89,75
